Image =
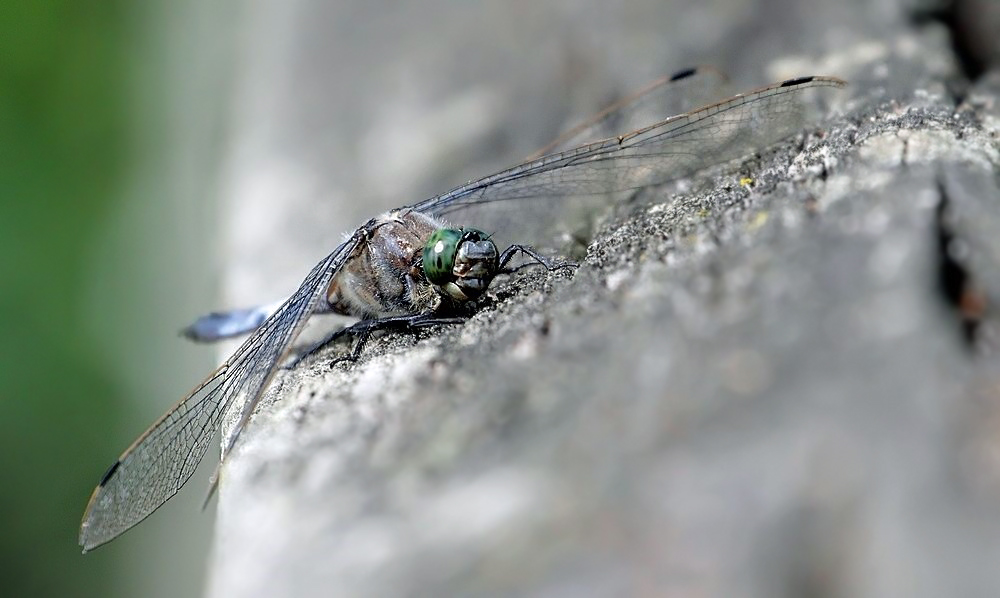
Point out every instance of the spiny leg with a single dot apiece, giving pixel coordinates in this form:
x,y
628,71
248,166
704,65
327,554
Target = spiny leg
x,y
538,259
299,354
363,330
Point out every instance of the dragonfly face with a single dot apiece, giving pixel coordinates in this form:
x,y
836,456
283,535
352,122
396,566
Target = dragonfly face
x,y
461,263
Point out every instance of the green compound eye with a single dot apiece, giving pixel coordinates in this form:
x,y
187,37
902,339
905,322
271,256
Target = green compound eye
x,y
439,255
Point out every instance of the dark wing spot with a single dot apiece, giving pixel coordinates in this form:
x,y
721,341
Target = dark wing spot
x,y
794,82
110,472
683,74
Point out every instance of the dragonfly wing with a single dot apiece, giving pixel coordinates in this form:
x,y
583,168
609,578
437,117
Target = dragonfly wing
x,y
674,94
161,461
510,203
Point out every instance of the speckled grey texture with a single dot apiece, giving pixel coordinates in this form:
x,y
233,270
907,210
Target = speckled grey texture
x,y
763,389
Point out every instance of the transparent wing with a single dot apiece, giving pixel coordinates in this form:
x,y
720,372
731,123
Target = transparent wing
x,y
509,203
160,461
674,94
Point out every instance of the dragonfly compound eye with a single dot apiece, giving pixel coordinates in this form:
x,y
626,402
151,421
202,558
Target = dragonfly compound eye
x,y
439,255
460,262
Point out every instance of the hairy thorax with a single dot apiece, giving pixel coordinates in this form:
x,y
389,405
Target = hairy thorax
x,y
383,277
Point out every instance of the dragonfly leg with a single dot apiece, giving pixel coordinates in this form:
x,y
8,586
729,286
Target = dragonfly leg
x,y
537,259
363,330
301,353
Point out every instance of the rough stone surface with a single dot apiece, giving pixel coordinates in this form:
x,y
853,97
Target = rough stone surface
x,y
782,388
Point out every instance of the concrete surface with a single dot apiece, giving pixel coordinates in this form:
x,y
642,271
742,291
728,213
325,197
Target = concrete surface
x,y
786,388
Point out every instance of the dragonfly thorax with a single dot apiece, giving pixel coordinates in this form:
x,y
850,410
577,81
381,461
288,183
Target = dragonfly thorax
x,y
460,262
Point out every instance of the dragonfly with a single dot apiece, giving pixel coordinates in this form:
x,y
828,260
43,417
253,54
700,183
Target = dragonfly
x,y
422,265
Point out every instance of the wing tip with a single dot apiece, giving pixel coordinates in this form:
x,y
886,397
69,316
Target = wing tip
x,y
85,539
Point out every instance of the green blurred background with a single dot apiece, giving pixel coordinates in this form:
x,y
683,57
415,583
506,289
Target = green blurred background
x,y
109,121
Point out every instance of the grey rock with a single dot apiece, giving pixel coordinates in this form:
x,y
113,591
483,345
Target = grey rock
x,y
763,389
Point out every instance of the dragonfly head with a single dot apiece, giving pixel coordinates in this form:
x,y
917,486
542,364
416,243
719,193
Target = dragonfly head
x,y
461,262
